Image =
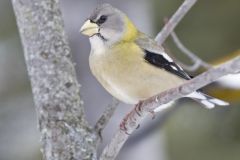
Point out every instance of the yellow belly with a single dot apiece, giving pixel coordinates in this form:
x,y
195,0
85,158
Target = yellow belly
x,y
124,73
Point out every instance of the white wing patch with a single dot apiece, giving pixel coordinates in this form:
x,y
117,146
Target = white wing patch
x,y
175,68
166,56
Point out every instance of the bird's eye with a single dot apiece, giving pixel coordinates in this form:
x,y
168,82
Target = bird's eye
x,y
102,19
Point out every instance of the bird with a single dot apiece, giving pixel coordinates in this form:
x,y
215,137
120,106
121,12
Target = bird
x,y
130,65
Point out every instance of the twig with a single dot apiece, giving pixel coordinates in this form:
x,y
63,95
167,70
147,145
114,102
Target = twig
x,y
133,119
189,68
106,116
197,62
173,22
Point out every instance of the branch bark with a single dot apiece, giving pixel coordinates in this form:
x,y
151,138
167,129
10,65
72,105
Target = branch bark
x,y
134,118
106,116
174,20
65,133
197,62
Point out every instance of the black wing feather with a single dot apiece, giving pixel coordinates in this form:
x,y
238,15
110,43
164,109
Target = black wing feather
x,y
158,60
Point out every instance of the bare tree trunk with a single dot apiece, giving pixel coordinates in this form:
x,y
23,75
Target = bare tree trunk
x,y
65,133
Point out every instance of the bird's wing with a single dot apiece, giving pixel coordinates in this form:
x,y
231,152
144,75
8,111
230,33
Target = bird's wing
x,y
156,56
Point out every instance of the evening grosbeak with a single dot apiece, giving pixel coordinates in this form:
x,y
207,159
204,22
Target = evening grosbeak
x,y
129,64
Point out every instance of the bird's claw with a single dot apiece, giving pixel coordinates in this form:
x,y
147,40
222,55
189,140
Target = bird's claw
x,y
138,109
123,127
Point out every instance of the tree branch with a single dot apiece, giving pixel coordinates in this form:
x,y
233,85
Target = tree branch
x,y
133,119
175,19
65,133
197,62
106,116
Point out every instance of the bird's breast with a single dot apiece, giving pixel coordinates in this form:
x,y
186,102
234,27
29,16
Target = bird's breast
x,y
124,73
113,69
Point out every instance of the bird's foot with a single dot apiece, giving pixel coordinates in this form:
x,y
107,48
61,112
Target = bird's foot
x,y
123,125
138,108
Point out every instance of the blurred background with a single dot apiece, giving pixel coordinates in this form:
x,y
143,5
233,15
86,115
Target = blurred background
x,y
185,132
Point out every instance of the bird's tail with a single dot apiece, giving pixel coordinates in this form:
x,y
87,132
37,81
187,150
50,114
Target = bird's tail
x,y
206,100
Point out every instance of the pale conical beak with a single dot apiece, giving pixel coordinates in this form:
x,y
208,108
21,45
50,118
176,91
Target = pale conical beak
x,y
89,28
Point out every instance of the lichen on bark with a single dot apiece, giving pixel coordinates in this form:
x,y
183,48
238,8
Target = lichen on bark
x,y
65,133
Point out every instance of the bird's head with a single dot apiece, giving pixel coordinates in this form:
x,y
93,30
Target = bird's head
x,y
110,25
